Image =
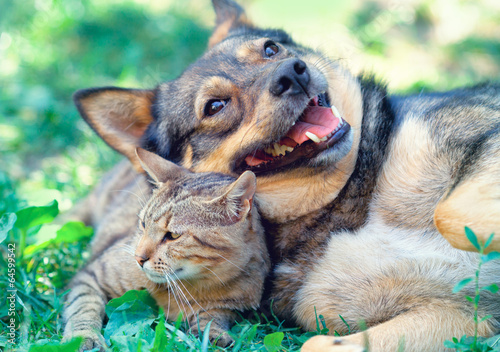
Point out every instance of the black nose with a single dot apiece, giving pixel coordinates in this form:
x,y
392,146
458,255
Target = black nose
x,y
141,260
291,77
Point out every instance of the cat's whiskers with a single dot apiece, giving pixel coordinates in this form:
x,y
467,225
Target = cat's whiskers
x,y
127,249
222,282
183,295
140,189
175,288
142,202
220,255
168,307
189,293
172,289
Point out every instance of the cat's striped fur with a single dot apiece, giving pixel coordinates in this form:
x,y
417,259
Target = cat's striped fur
x,y
199,250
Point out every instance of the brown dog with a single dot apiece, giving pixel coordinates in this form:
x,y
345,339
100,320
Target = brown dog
x,y
356,188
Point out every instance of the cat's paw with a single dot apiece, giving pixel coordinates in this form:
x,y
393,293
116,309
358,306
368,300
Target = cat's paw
x,y
323,343
217,335
222,340
91,340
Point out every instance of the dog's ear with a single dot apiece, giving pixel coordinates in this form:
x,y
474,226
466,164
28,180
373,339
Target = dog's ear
x,y
119,116
160,170
229,16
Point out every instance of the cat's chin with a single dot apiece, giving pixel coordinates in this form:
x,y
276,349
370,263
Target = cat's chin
x,y
158,279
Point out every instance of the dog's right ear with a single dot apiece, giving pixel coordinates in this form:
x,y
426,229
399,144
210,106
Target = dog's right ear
x,y
160,170
119,116
229,16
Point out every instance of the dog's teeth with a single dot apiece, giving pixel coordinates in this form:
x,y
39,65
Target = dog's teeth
x,y
293,124
336,113
313,137
277,148
283,149
288,149
324,138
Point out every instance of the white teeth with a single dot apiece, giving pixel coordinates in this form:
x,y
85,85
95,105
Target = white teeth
x,y
276,149
336,113
293,124
313,137
324,138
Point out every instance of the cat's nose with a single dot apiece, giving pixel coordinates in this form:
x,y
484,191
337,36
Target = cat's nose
x,y
141,260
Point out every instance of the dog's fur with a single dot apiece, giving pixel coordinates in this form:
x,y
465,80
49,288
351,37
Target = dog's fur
x,y
359,229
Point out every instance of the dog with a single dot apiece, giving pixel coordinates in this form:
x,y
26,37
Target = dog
x,y
364,196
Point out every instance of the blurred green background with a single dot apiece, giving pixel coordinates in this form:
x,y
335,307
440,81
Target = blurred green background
x,y
51,48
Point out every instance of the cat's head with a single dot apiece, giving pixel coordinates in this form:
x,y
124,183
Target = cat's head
x,y
197,227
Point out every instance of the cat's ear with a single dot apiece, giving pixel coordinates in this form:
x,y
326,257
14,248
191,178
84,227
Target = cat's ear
x,y
239,196
160,170
119,116
229,16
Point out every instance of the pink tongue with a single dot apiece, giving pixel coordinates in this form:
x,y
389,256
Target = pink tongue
x,y
317,120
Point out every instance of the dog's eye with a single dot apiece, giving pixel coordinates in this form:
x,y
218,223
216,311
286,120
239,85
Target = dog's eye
x,y
214,106
170,236
271,49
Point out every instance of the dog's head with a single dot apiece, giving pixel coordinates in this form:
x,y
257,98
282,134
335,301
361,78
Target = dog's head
x,y
254,101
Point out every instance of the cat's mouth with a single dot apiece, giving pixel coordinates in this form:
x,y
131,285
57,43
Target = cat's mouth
x,y
317,128
157,278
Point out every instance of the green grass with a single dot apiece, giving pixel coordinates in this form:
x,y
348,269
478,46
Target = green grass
x,y
49,49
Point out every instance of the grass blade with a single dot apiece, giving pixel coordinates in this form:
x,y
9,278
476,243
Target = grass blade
x,y
472,238
458,287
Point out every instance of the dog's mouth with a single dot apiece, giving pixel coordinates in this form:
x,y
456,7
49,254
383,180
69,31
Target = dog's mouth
x,y
318,128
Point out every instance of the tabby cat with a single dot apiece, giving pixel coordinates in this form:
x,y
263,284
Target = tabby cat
x,y
199,250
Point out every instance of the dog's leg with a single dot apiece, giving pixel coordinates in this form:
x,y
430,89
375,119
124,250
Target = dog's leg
x,y
422,329
474,202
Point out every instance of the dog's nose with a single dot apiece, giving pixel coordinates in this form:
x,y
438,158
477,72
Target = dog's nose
x,y
291,77
141,260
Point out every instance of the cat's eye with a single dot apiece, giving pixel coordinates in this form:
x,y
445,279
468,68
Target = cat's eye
x,y
270,48
214,106
170,236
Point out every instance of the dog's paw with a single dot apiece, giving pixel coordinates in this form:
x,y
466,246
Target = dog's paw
x,y
323,343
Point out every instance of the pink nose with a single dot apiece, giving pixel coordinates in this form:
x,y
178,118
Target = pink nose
x,y
141,260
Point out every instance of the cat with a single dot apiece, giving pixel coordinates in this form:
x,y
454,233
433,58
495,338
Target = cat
x,y
199,250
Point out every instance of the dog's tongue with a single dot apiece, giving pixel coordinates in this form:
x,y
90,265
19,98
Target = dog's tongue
x,y
317,120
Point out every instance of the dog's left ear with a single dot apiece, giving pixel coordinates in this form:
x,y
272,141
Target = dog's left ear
x,y
119,116
229,16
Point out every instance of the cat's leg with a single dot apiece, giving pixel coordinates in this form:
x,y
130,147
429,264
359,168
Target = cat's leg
x,y
84,307
222,320
417,330
110,275
473,202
